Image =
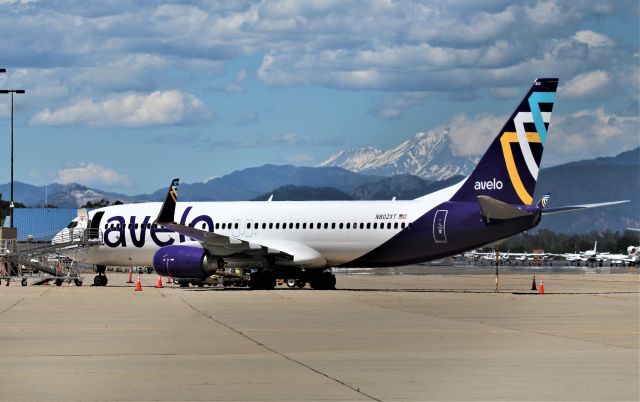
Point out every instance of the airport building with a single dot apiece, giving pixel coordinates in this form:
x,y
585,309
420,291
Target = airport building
x,y
40,224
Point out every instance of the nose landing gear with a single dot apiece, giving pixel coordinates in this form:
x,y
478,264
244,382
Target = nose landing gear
x,y
101,278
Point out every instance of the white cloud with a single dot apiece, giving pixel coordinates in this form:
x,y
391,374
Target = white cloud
x,y
592,132
76,52
592,38
584,86
471,135
236,86
91,174
128,110
393,106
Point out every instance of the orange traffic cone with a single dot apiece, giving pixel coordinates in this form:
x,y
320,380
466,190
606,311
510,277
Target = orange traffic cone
x,y
130,276
541,290
168,279
138,284
533,285
159,285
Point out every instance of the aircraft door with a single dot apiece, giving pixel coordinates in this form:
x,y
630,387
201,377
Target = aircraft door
x,y
94,225
440,226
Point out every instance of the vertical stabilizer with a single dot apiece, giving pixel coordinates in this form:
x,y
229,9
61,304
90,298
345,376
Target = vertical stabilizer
x,y
508,171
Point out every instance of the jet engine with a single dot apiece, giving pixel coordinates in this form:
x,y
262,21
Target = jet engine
x,y
182,261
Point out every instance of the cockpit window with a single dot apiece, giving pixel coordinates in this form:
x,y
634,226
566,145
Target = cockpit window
x,y
72,224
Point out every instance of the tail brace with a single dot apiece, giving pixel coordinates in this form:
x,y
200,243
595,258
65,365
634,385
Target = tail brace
x,y
508,171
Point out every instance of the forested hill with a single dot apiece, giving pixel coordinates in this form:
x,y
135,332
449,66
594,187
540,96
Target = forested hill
x,y
592,181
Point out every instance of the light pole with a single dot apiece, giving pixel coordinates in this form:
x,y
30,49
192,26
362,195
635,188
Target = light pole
x,y
12,91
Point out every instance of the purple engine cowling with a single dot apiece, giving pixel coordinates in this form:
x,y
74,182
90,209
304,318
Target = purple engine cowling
x,y
180,261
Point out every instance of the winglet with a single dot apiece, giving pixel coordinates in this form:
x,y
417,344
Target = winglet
x,y
542,204
168,209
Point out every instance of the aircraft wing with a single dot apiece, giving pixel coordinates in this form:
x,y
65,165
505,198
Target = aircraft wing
x,y
568,208
224,246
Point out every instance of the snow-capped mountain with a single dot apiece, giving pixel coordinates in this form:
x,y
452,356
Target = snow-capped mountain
x,y
426,155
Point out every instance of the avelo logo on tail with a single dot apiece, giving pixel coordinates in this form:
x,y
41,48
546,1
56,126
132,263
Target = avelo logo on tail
x,y
508,171
488,185
524,138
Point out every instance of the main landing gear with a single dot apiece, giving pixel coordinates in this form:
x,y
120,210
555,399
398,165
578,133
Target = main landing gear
x,y
262,280
101,278
322,281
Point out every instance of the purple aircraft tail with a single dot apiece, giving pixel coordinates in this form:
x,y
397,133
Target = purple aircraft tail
x,y
508,171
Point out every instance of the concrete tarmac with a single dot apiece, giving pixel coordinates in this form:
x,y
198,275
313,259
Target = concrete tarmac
x,y
387,338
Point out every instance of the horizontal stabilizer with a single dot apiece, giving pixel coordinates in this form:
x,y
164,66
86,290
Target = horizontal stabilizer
x,y
495,209
568,208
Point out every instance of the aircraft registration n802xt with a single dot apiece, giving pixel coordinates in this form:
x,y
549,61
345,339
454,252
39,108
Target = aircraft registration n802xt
x,y
303,239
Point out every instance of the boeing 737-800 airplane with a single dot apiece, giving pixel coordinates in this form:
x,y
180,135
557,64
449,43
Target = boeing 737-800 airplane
x,y
303,239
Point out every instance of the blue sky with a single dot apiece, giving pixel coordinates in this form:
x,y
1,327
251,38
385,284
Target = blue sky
x,y
124,96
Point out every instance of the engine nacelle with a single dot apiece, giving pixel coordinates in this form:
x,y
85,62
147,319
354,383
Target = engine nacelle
x,y
182,261
632,250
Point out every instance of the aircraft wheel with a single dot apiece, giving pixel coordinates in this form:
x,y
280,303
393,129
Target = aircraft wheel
x,y
268,281
255,282
292,283
323,281
300,284
97,280
78,282
24,282
58,282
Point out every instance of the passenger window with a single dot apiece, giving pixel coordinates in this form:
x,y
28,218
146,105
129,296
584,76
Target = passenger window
x,y
395,225
224,226
106,226
340,226
311,225
218,225
248,225
204,226
319,225
264,225
402,225
297,225
368,225
255,225
410,225
348,225
136,226
304,225
148,226
235,226
361,225
326,225
278,225
333,225
290,225
271,225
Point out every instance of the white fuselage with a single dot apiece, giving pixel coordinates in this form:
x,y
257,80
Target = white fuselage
x,y
323,233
